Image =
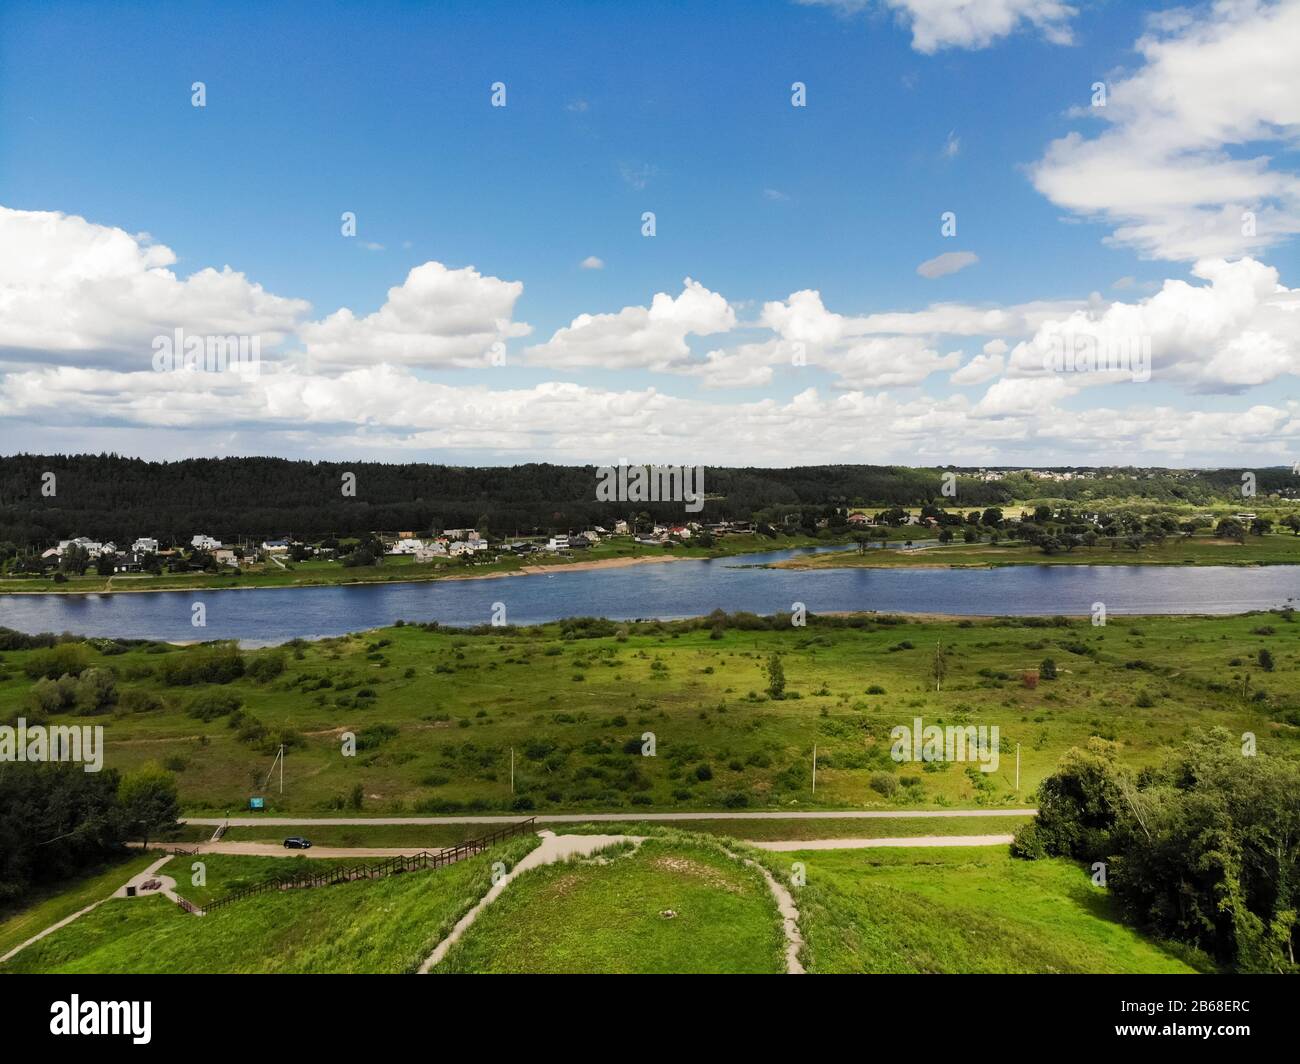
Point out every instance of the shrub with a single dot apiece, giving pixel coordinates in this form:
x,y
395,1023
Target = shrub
x,y
68,659
213,704
884,783
266,667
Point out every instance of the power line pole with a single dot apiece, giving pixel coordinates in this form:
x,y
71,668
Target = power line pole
x,y
1017,768
814,790
512,770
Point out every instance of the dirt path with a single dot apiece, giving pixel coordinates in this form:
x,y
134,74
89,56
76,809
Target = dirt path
x,y
786,846
149,873
553,848
597,818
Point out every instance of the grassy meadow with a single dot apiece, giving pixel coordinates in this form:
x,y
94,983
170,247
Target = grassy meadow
x,y
436,712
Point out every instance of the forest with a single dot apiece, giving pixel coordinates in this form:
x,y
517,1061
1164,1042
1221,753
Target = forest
x,y
44,498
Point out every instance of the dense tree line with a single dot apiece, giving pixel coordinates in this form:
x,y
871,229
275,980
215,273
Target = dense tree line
x,y
1204,849
108,497
60,821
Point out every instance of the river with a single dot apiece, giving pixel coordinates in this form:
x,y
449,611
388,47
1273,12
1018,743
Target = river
x,y
686,588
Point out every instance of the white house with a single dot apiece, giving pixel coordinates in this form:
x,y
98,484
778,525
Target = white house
x,y
407,546
145,545
93,548
202,542
558,543
274,546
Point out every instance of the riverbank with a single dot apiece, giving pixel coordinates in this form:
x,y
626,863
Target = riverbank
x,y
399,570
1273,549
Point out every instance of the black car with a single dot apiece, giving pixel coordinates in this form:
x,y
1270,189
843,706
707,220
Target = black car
x,y
297,842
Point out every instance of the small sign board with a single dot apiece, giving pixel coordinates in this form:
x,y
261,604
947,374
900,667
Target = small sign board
x,y
257,803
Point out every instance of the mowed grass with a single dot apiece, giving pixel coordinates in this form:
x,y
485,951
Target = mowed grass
x,y
437,712
374,926
50,905
963,910
604,916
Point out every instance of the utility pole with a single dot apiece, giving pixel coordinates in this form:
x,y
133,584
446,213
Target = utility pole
x,y
1017,768
814,790
512,770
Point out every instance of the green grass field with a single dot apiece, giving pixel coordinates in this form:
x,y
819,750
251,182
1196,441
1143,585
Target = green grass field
x,y
962,910
872,911
437,712
373,926
604,916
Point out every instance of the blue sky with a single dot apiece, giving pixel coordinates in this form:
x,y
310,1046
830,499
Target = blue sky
x,y
612,110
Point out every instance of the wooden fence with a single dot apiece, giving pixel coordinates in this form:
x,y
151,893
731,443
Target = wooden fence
x,y
390,866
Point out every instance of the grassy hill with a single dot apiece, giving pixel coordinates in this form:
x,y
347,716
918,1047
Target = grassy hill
x,y
963,910
880,910
608,916
437,712
385,925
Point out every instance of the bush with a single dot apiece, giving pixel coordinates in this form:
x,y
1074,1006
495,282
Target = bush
x,y
66,659
703,772
213,704
1047,670
266,667
96,690
222,663
884,783
138,700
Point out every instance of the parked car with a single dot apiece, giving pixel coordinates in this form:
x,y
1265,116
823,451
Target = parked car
x,y
297,842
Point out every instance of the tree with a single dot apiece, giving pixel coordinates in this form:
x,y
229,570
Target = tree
x,y
1231,528
1204,849
149,803
1047,670
940,667
1266,660
775,677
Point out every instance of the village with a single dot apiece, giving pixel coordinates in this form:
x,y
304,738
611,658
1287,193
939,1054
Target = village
x,y
150,554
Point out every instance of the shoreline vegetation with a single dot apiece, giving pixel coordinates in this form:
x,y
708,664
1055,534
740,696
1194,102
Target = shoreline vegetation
x,y
1273,549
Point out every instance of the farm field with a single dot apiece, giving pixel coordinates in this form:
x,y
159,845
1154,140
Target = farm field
x,y
435,713
372,926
